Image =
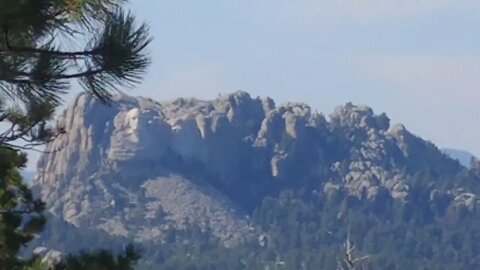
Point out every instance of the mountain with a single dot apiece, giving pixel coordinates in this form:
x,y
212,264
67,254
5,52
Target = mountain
x,y
240,176
463,157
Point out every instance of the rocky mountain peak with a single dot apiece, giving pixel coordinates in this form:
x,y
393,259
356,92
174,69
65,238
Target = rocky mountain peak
x,y
140,167
359,117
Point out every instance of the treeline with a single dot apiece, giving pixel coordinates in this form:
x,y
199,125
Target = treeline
x,y
304,230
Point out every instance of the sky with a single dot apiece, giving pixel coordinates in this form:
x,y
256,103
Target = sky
x,y
418,61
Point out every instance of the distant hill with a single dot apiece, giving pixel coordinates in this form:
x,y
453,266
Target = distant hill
x,y
463,157
242,183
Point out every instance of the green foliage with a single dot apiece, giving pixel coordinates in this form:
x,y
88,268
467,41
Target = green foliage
x,y
101,260
35,66
20,214
22,219
304,229
40,56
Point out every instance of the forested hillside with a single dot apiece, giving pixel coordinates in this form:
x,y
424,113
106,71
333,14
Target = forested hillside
x,y
242,183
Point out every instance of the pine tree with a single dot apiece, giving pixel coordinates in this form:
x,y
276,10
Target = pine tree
x,y
45,45
101,260
40,56
20,214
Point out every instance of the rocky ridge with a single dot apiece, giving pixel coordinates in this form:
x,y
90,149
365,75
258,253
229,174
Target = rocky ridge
x,y
138,168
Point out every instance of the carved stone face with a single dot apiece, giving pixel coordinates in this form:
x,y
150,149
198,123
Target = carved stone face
x,y
138,135
132,120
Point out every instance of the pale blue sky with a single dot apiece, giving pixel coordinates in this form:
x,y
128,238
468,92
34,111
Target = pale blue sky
x,y
416,60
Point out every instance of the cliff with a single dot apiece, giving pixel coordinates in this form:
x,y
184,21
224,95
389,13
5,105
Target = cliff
x,y
138,168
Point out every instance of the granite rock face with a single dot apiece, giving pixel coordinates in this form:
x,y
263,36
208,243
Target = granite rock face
x,y
139,167
48,257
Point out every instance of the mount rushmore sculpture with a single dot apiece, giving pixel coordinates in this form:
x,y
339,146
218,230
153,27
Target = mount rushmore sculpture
x,y
139,167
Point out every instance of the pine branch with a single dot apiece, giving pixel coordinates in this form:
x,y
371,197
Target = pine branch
x,y
55,53
30,143
76,75
30,147
112,59
15,212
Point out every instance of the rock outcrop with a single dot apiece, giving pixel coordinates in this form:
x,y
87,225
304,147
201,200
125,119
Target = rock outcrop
x,y
139,167
48,257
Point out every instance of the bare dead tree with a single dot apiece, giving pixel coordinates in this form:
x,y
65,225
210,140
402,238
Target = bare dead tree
x,y
350,261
